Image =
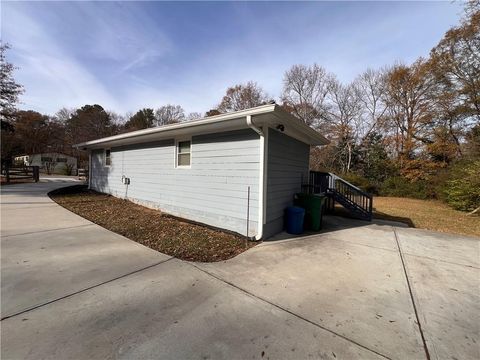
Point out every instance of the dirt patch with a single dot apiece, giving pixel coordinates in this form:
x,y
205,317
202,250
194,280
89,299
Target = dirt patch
x,y
426,214
159,231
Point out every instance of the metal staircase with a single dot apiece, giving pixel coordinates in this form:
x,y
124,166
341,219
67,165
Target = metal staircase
x,y
356,201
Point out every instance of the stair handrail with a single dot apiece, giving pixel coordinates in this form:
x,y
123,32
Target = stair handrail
x,y
336,186
335,177
365,205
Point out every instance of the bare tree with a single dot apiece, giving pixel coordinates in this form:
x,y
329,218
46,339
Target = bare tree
x,y
344,114
305,89
64,114
193,116
117,119
371,91
169,114
240,97
49,162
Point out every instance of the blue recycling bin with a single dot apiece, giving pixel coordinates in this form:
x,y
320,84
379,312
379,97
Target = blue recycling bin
x,y
294,216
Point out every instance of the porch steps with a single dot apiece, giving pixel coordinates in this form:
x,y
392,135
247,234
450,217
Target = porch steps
x,y
357,202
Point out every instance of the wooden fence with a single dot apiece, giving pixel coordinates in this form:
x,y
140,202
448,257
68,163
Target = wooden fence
x,y
20,173
83,174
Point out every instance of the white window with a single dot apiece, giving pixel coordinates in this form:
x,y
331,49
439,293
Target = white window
x,y
184,153
108,159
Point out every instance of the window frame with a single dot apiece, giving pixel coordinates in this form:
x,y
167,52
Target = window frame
x,y
105,157
177,143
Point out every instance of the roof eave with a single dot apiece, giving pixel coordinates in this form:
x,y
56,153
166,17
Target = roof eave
x,y
217,119
218,123
302,131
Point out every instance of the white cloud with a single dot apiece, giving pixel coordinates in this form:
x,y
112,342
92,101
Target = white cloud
x,y
117,54
52,78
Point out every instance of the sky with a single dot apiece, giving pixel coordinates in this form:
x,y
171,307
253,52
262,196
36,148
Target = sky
x,y
129,55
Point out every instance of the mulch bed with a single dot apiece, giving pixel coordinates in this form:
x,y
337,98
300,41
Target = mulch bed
x,y
159,231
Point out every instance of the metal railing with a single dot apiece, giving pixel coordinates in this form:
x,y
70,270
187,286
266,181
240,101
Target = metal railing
x,y
339,190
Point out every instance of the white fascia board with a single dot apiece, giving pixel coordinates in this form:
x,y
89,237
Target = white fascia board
x,y
217,123
297,129
271,114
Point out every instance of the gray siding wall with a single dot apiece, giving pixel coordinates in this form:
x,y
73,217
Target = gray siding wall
x,y
288,165
213,191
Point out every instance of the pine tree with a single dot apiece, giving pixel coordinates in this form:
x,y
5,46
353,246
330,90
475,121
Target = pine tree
x,y
9,89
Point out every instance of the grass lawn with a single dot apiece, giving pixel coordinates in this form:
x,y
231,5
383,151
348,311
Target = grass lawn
x,y
426,214
152,228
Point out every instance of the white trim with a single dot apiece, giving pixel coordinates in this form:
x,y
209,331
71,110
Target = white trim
x,y
175,164
261,177
105,157
188,124
89,170
265,175
261,189
215,124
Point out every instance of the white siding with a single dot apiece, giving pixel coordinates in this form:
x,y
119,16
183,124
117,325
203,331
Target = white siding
x,y
212,191
36,160
288,163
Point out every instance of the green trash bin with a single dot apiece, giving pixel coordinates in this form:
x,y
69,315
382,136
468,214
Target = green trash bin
x,y
313,204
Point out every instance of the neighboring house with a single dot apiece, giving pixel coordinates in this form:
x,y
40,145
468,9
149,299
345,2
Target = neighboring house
x,y
49,162
202,170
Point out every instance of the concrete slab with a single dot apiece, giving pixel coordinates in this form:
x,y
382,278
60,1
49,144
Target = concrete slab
x,y
171,311
356,231
340,294
15,198
378,236
35,219
48,252
448,299
26,208
43,266
463,250
354,290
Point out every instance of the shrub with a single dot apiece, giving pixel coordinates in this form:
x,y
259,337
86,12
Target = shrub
x,y
462,189
401,187
361,182
67,169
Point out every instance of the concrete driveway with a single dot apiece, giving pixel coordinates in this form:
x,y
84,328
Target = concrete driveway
x,y
73,290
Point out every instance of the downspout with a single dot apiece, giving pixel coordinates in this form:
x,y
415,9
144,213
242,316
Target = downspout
x,y
261,186
89,169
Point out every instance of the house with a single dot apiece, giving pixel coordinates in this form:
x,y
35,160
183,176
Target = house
x,y
51,162
220,170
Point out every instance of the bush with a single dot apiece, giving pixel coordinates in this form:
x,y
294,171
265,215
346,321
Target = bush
x,y
361,182
462,189
399,186
67,169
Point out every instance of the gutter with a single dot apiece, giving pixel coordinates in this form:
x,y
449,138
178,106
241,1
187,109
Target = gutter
x,y
261,178
212,120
